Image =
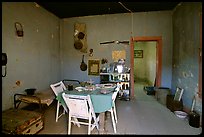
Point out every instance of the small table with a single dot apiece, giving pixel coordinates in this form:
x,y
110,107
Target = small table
x,y
40,97
101,102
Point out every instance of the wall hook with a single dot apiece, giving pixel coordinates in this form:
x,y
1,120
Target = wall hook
x,y
19,29
91,52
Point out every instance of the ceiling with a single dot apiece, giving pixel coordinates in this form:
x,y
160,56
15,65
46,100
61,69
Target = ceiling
x,y
78,9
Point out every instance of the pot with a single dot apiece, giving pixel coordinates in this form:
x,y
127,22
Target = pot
x,y
30,91
70,87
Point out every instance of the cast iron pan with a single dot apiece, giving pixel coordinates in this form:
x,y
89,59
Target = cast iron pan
x,y
83,65
81,35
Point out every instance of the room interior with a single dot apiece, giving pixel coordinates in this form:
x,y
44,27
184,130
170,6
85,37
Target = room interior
x,y
45,52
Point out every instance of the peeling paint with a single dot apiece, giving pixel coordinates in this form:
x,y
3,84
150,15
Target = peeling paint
x,y
185,75
18,83
196,89
179,80
191,74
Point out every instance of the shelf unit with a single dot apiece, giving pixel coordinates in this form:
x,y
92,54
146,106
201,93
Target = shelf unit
x,y
121,79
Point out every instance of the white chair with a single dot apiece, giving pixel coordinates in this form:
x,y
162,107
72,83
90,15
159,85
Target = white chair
x,y
58,88
80,107
113,110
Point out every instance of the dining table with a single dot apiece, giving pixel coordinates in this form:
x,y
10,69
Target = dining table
x,y
102,101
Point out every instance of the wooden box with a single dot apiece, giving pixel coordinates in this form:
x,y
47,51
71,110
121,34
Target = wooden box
x,y
19,121
172,104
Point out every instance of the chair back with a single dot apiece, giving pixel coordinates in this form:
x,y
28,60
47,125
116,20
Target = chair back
x,y
79,106
114,95
58,87
178,94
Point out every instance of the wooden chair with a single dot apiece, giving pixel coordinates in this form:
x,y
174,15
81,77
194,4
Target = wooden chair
x,y
80,107
58,88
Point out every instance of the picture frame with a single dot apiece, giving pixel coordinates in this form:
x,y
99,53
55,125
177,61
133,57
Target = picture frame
x,y
94,67
138,53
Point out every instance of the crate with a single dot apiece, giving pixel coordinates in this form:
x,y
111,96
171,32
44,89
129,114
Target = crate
x,y
172,104
18,121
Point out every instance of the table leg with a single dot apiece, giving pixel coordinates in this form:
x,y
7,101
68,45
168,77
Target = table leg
x,y
102,123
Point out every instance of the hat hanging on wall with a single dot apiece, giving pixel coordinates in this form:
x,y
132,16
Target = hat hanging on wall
x,y
19,29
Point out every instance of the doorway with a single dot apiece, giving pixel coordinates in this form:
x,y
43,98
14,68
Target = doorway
x,y
145,65
158,41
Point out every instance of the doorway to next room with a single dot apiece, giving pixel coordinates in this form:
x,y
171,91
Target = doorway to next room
x,y
144,66
146,61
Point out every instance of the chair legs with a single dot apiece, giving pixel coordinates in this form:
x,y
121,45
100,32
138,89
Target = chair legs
x,y
113,120
91,125
57,112
115,114
69,125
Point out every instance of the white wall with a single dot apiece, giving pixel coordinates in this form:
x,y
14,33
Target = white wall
x,y
46,53
34,58
102,28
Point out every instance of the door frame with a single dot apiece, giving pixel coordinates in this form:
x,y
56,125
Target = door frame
x,y
158,40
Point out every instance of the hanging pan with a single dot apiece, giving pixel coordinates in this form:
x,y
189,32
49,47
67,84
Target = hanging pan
x,y
83,65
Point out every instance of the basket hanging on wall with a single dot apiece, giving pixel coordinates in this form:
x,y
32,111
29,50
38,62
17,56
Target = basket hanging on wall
x,y
80,42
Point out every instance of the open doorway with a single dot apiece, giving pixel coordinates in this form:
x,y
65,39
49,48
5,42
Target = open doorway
x,y
158,41
144,66
145,62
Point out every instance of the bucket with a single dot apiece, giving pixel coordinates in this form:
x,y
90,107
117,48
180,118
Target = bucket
x,y
161,94
194,119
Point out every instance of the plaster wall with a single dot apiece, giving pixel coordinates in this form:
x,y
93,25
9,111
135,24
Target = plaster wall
x,y
186,39
102,28
33,60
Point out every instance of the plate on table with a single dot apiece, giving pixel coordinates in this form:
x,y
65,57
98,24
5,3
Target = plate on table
x,y
104,91
108,85
80,88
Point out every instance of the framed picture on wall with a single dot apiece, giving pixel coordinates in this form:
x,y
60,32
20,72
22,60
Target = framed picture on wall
x,y
138,53
93,67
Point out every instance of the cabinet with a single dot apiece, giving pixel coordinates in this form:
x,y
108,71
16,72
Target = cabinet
x,y
121,79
